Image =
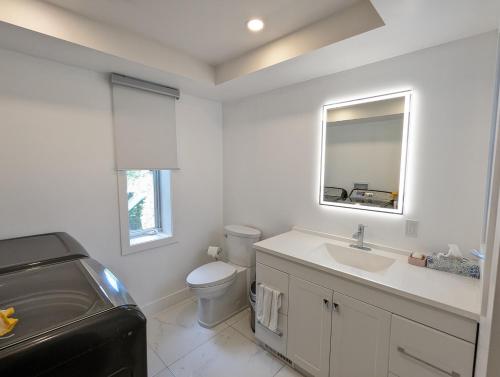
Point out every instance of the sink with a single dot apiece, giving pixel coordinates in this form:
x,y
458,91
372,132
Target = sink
x,y
364,260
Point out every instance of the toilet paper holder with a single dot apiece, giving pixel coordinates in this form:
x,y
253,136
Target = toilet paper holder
x,y
214,252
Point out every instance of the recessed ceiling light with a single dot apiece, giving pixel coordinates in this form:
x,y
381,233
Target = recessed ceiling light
x,y
255,25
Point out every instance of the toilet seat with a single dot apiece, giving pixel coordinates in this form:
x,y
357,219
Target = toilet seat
x,y
211,274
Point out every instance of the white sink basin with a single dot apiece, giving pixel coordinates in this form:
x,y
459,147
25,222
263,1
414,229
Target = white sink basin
x,y
364,260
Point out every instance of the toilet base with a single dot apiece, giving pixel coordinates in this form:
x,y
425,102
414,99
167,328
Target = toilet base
x,y
213,311
209,326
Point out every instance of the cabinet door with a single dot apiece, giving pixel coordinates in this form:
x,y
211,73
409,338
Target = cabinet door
x,y
309,326
360,339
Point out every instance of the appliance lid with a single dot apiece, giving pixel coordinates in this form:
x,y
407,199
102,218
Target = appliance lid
x,y
38,250
242,231
211,274
49,297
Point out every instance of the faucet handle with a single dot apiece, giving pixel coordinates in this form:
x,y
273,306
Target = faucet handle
x,y
361,228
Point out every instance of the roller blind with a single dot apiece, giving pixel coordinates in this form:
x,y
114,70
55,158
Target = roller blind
x,y
144,124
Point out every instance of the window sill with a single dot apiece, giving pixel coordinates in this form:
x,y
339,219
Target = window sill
x,y
148,242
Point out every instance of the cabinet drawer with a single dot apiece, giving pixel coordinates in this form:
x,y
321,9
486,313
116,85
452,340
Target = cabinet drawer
x,y
276,341
275,279
420,351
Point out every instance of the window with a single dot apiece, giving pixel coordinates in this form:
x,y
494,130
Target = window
x,y
143,194
145,209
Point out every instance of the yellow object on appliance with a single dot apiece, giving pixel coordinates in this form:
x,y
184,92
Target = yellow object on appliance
x,y
7,323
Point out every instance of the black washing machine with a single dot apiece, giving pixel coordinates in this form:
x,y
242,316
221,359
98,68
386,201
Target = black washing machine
x,y
75,316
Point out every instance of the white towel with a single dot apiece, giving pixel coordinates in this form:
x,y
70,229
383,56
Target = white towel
x,y
268,305
275,307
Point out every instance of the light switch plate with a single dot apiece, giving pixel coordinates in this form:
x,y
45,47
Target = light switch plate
x,y
411,228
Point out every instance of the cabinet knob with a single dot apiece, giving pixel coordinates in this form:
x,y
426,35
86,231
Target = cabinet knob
x,y
326,303
335,307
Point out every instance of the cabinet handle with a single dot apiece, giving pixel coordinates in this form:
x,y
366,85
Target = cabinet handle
x,y
333,307
404,352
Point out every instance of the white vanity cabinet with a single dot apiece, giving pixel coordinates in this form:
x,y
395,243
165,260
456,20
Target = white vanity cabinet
x,y
333,326
360,338
309,325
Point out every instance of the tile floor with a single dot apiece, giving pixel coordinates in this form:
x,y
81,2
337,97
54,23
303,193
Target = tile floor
x,y
179,347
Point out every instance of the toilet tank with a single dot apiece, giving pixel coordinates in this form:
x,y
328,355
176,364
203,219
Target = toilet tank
x,y
238,244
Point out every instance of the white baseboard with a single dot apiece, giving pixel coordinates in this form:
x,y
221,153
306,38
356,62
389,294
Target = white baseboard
x,y
167,301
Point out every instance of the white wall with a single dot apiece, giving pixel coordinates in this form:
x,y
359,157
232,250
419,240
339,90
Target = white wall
x,y
57,171
271,148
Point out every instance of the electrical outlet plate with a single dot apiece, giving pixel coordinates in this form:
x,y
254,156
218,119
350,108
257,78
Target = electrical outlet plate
x,y
361,186
411,228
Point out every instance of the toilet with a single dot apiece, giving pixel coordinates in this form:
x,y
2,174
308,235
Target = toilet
x,y
222,286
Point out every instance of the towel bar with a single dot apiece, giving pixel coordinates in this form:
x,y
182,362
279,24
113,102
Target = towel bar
x,y
277,332
281,293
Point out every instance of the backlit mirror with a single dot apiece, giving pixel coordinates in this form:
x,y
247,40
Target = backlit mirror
x,y
363,157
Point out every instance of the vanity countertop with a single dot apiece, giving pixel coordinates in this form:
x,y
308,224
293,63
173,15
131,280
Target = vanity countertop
x,y
456,294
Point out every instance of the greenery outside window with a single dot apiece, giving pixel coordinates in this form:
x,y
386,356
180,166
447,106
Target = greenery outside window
x,y
144,202
145,209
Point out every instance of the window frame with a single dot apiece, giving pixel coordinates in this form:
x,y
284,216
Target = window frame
x,y
136,241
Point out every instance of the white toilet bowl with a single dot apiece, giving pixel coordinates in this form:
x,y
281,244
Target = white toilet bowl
x,y
220,288
212,292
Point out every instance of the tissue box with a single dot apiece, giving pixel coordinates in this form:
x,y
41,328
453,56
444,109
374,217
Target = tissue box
x,y
420,262
455,265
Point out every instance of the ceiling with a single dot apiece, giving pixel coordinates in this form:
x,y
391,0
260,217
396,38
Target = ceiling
x,y
382,29
213,31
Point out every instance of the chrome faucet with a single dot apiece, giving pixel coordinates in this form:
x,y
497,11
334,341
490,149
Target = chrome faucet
x,y
360,237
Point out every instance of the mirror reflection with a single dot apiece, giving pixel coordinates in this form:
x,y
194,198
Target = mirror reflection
x,y
364,153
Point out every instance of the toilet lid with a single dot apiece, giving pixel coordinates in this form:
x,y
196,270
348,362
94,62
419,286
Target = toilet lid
x,y
242,231
211,274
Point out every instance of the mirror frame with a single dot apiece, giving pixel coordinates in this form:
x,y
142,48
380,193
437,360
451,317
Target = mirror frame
x,y
407,94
